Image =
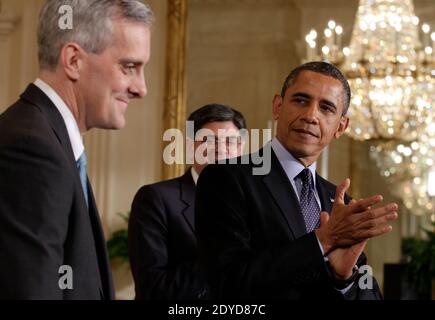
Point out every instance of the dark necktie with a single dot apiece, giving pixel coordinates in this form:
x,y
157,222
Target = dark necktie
x,y
81,165
310,207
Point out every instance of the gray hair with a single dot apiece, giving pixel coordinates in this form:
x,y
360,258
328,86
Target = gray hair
x,y
92,25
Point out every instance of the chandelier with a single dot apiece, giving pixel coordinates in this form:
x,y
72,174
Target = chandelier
x,y
390,65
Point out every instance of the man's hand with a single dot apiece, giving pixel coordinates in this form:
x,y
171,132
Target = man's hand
x,y
342,260
350,224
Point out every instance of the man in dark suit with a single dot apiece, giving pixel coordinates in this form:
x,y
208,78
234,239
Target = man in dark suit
x,y
162,240
51,241
264,236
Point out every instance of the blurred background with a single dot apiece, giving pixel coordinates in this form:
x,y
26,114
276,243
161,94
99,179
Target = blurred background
x,y
238,52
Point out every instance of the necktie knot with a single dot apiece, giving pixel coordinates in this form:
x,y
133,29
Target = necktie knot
x,y
306,177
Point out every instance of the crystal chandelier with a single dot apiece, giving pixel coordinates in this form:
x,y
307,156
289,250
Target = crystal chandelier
x,y
390,64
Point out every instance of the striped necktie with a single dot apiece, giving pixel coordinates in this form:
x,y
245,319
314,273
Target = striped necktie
x,y
310,207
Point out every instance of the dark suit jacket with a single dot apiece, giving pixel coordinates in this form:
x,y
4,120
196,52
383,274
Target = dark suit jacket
x,y
44,221
162,241
252,237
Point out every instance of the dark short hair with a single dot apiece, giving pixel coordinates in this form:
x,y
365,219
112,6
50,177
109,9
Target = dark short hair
x,y
216,112
325,69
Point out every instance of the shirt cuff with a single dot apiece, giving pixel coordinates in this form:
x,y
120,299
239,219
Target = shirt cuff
x,y
343,291
321,248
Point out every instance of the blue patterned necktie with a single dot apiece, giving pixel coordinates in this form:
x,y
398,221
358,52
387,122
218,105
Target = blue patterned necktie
x,y
81,165
310,207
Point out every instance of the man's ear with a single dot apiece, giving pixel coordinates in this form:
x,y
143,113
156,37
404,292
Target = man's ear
x,y
344,123
276,108
71,59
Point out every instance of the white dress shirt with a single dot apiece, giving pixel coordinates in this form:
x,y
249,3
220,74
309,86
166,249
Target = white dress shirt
x,y
67,116
194,174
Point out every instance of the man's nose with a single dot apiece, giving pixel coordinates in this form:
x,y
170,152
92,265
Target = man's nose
x,y
138,88
311,113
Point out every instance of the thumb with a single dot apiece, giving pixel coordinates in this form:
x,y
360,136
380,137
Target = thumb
x,y
341,190
324,218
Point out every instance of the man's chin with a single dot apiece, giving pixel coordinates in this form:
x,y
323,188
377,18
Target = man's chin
x,y
115,125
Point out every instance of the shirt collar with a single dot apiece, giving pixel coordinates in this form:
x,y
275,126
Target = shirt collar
x,y
70,122
195,175
289,163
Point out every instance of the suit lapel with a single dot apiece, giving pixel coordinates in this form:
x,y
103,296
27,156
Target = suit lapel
x,y
35,96
100,247
326,194
187,196
284,195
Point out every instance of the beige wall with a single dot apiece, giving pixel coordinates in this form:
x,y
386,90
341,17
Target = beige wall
x,y
238,54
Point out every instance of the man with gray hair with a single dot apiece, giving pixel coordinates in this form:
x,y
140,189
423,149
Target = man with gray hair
x,y
91,56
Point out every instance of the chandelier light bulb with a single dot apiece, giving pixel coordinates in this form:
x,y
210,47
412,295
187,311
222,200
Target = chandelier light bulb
x,y
331,24
425,28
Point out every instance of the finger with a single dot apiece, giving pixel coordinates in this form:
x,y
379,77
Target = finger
x,y
341,190
373,223
379,212
376,232
324,218
365,204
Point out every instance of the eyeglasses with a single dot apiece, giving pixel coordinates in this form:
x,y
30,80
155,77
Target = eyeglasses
x,y
230,141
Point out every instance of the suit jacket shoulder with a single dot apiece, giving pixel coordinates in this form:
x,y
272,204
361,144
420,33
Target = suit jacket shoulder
x,y
43,215
162,241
